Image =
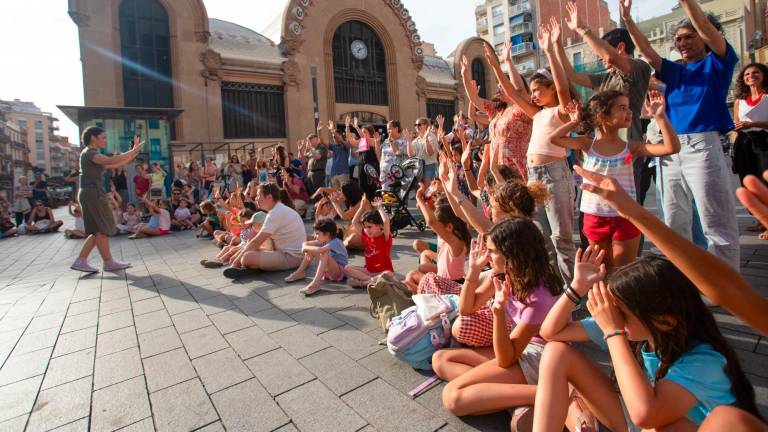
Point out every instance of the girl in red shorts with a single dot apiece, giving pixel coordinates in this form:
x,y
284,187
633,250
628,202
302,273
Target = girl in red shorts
x,y
607,153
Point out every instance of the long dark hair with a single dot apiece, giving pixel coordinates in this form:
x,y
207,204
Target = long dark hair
x,y
522,244
742,89
661,295
352,193
445,215
89,133
598,105
518,197
281,157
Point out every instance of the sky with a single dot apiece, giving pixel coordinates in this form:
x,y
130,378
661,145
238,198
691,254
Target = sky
x,y
41,52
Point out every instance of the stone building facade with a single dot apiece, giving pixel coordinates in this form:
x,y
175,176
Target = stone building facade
x,y
319,60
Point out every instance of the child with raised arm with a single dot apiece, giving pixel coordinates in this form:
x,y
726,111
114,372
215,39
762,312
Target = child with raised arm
x,y
79,230
373,226
131,219
159,223
607,113
330,253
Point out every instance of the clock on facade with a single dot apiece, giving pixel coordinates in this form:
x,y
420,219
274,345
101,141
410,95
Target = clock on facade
x,y
359,49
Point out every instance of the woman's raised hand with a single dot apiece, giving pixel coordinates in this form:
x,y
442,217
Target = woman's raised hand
x,y
478,254
602,305
589,269
554,30
625,9
543,37
574,110
501,296
506,56
655,103
490,55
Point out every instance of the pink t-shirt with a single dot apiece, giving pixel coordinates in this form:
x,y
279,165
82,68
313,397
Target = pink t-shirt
x,y
540,301
449,266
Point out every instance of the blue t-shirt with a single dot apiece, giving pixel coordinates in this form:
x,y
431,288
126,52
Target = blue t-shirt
x,y
340,162
700,371
338,252
696,92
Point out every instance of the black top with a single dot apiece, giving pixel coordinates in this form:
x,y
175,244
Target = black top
x,y
120,181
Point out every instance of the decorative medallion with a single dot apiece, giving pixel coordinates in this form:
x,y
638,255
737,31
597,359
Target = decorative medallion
x,y
295,27
298,12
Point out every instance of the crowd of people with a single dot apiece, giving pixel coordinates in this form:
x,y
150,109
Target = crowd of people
x,y
501,191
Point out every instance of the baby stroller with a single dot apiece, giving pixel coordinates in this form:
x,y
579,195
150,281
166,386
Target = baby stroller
x,y
406,177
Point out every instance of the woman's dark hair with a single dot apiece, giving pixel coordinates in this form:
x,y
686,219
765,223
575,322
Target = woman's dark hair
x,y
90,132
395,124
660,295
686,23
517,197
326,225
234,156
445,215
281,157
499,105
507,173
546,79
371,130
742,90
352,193
523,246
372,217
600,104
286,199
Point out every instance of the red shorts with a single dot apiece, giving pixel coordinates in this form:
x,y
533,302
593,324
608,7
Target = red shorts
x,y
163,232
609,228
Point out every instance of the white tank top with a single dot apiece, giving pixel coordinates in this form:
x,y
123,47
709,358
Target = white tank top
x,y
545,122
618,166
758,112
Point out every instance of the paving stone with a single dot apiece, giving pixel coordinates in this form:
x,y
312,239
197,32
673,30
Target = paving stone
x,y
251,304
79,322
278,371
358,317
352,342
17,399
23,366
377,400
248,407
120,405
146,425
395,372
432,400
83,307
178,305
69,367
250,342
76,426
203,341
16,424
75,341
114,341
325,413
110,295
34,341
146,306
167,369
117,367
293,303
216,304
152,321
190,320
159,341
220,370
115,321
299,341
60,405
231,320
213,427
337,371
272,320
183,407
45,322
287,428
117,305
140,294
201,293
317,320
332,301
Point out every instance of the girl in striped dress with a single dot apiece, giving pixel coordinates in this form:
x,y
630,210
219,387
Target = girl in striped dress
x,y
605,114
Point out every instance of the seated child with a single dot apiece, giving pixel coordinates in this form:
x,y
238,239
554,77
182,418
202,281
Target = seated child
x,y
373,227
330,253
182,215
159,223
7,228
79,231
211,221
250,224
131,220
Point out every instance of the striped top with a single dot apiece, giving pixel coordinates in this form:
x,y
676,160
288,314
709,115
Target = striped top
x,y
618,166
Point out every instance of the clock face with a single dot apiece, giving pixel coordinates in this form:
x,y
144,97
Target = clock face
x,y
359,49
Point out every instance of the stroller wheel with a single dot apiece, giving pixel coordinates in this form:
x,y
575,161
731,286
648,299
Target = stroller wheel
x,y
394,233
421,226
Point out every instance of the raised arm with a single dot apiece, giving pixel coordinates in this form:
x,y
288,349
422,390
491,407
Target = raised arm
x,y
517,81
378,204
471,87
712,276
603,49
547,35
712,37
655,105
561,136
508,347
641,42
475,294
119,159
510,92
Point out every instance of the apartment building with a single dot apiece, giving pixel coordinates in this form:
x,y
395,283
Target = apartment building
x,y
40,126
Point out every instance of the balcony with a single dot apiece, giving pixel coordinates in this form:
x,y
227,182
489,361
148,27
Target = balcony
x,y
526,68
519,9
523,48
482,25
524,27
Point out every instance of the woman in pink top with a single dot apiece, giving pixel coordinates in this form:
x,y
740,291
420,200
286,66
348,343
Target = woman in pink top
x,y
524,287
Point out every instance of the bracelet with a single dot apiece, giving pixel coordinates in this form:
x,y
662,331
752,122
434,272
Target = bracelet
x,y
571,298
467,169
615,333
573,292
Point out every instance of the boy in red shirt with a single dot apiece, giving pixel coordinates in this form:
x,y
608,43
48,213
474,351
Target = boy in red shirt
x,y
377,244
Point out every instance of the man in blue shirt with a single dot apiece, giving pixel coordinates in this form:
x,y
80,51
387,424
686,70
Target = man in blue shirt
x,y
339,173
696,105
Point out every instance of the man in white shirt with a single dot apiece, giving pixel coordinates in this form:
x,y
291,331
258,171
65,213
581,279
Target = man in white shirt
x,y
283,226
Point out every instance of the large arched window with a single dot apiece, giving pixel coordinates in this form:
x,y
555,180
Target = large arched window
x,y
478,75
146,54
359,65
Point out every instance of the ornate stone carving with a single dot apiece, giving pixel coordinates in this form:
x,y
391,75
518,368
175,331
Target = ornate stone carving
x,y
421,86
291,46
80,19
211,65
202,36
291,72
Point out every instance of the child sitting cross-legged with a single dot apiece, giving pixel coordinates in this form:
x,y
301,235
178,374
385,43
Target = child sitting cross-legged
x,y
373,227
131,220
183,216
250,224
330,253
160,221
78,232
211,221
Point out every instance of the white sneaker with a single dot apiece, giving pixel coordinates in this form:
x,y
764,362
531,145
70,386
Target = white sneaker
x,y
113,265
83,266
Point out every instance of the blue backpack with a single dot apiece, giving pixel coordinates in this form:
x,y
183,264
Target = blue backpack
x,y
413,340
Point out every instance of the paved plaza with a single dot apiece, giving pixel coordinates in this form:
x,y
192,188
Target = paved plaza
x,y
170,346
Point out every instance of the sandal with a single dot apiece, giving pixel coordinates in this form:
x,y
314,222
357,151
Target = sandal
x,y
310,290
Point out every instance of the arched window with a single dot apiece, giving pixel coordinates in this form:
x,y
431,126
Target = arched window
x,y
146,54
359,65
478,75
